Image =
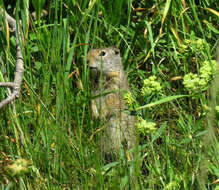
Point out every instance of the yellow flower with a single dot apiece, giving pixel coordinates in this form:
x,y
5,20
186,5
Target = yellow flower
x,y
145,127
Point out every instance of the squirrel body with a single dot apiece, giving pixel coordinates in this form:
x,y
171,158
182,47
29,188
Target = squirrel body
x,y
109,83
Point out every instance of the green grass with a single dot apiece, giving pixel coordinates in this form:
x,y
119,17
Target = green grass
x,y
52,124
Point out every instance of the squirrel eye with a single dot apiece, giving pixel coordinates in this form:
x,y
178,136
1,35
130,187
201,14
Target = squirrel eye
x,y
102,53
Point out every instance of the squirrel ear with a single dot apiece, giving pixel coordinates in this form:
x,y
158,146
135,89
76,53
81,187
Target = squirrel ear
x,y
116,50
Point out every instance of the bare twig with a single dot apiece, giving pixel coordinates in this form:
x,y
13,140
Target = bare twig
x,y
16,85
7,84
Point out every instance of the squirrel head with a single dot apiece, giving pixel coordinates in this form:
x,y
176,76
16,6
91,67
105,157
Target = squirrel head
x,y
105,60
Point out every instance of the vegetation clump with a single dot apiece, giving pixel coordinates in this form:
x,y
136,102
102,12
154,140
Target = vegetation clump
x,y
168,50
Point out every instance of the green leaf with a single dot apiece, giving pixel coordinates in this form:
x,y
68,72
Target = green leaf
x,y
159,132
210,27
164,100
38,65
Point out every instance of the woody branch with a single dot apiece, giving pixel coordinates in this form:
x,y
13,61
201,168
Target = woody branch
x,y
19,70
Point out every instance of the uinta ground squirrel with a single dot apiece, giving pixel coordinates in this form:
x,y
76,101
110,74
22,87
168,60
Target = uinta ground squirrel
x,y
109,83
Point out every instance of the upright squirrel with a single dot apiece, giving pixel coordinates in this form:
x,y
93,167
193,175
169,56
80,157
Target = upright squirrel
x,y
109,82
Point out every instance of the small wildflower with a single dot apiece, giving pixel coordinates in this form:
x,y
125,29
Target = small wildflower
x,y
130,101
150,86
128,98
207,69
145,127
200,43
19,167
195,44
193,82
202,82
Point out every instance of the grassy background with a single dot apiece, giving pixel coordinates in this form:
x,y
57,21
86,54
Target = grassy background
x,y
53,123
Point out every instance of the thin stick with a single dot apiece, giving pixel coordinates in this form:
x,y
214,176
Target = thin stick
x,y
19,71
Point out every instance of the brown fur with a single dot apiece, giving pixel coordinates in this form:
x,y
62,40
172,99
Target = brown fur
x,y
107,74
